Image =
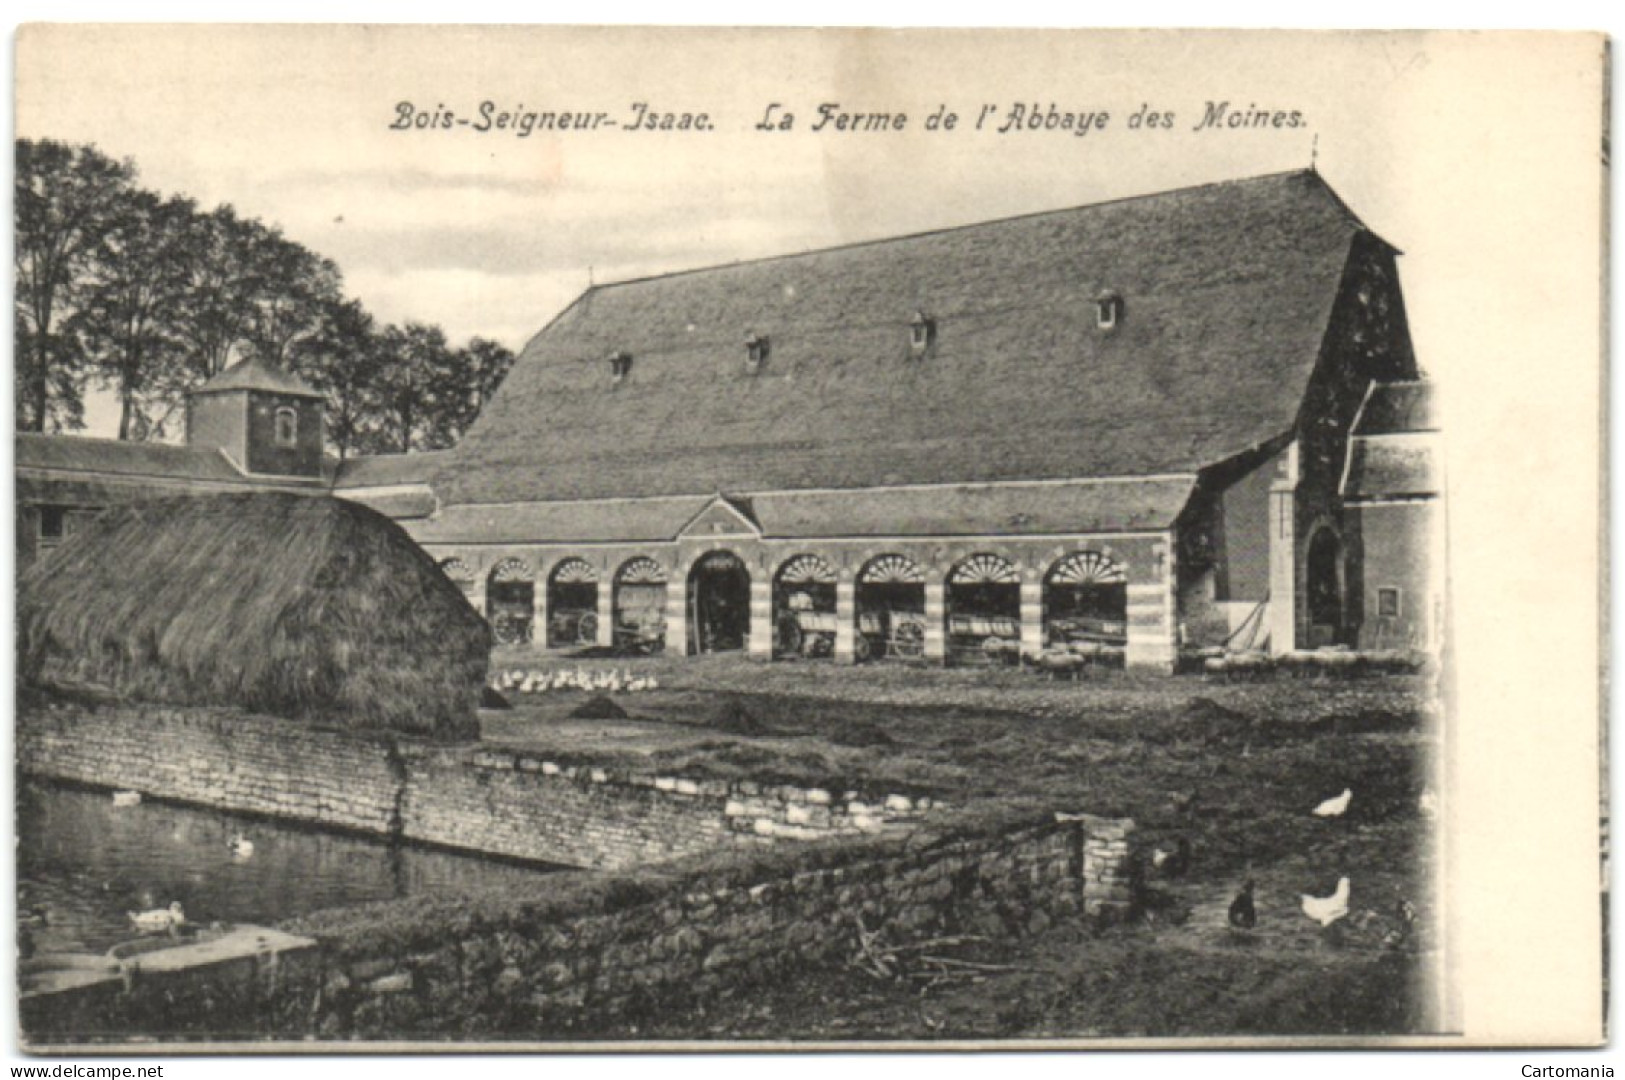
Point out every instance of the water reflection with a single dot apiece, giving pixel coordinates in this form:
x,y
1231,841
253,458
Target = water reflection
x,y
83,864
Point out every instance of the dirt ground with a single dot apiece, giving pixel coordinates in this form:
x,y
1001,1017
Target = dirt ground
x,y
1232,769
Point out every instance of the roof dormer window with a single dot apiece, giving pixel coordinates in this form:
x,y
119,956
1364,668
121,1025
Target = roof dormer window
x,y
922,333
1108,310
620,366
756,350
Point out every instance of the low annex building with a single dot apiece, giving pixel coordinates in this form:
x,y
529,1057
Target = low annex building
x,y
1121,429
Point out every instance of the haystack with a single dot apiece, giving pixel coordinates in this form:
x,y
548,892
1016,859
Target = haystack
x,y
305,607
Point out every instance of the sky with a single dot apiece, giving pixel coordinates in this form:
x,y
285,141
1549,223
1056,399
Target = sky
x,y
492,233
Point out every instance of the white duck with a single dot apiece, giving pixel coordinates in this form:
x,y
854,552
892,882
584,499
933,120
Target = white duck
x,y
1335,807
1328,909
158,918
241,846
126,798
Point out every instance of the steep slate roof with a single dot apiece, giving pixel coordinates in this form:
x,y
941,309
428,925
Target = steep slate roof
x,y
389,470
1394,453
1005,510
76,471
112,456
1397,406
255,374
1226,293
561,522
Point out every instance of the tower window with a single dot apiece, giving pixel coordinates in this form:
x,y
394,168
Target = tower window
x,y
1387,603
287,426
922,333
620,366
1108,310
756,349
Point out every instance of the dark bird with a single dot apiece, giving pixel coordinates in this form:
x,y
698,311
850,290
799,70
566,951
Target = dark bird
x,y
1243,915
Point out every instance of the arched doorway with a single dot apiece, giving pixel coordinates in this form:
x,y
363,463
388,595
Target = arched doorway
x,y
804,608
640,606
891,609
1325,589
572,604
1085,602
984,609
719,602
510,601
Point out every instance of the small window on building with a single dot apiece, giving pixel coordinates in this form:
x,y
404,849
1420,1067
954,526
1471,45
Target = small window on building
x,y
756,349
53,523
1108,310
620,366
1387,603
287,426
922,333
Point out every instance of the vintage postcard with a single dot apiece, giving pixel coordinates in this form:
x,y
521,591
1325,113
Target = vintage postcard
x,y
545,537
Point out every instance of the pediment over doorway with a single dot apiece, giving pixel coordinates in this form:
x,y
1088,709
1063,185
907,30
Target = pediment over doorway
x,y
722,516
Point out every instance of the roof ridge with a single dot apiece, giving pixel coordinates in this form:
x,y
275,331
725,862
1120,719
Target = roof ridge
x,y
941,230
45,436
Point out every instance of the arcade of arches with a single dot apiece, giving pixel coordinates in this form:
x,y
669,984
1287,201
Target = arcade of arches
x,y
904,602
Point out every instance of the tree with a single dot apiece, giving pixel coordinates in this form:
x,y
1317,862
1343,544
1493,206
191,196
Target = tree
x,y
407,396
475,372
133,291
343,358
64,199
291,289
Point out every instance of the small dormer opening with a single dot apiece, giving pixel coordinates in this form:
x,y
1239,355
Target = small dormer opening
x,y
922,333
756,350
1108,310
287,426
620,366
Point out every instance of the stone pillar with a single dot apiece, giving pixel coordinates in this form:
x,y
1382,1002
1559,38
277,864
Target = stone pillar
x,y
760,645
846,621
1108,881
677,613
1032,618
936,621
1281,616
538,616
606,613
1153,617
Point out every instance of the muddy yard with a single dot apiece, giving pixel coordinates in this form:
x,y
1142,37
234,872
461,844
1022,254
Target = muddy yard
x,y
1231,769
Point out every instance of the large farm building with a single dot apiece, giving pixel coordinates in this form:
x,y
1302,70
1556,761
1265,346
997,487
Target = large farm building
x,y
1134,428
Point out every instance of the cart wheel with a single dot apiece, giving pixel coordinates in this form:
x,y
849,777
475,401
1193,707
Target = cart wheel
x,y
909,640
863,650
587,629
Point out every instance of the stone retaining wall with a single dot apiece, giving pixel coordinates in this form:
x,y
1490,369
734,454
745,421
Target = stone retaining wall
x,y
486,799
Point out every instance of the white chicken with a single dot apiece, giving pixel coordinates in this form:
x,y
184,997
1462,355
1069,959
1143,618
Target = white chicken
x,y
1428,804
1328,909
1337,806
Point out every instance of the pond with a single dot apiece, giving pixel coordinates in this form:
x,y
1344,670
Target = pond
x,y
84,863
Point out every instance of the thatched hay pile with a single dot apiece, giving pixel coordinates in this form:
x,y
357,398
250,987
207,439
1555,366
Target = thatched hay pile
x,y
306,607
